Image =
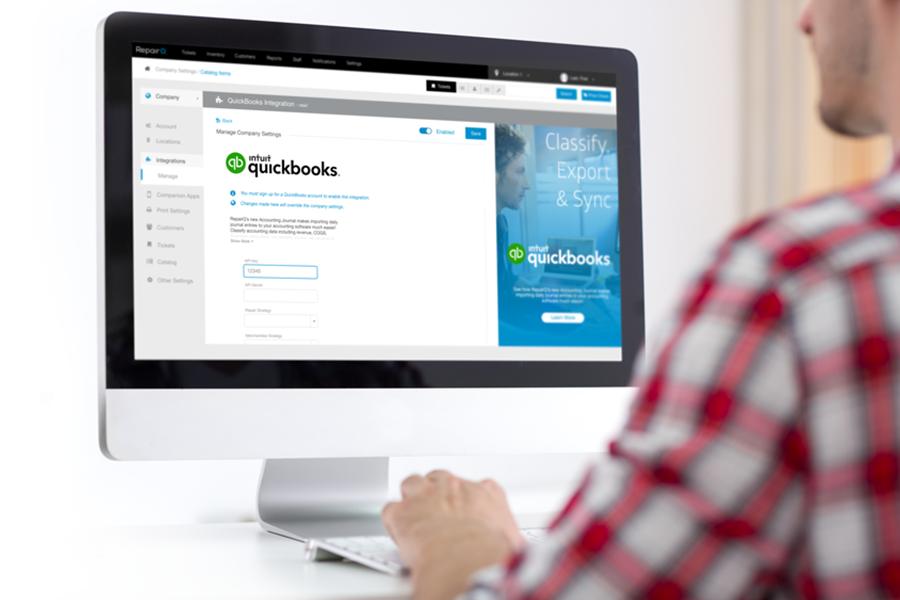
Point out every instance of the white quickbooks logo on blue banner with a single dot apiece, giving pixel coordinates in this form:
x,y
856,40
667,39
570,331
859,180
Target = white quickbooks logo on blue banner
x,y
541,255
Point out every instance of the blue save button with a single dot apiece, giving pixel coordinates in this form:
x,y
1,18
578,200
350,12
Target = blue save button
x,y
566,94
476,133
596,95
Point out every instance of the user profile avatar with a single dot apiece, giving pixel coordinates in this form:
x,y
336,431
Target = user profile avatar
x,y
564,77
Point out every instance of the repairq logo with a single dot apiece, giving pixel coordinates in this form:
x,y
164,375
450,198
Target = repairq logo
x,y
235,162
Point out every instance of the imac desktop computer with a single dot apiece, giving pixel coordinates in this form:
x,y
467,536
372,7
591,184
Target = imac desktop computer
x,y
325,247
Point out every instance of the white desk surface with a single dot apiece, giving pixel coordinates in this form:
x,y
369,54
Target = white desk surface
x,y
237,560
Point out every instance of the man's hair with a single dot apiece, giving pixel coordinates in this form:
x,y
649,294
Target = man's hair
x,y
508,143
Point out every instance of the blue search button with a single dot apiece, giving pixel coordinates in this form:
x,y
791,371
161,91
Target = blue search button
x,y
596,95
476,133
566,94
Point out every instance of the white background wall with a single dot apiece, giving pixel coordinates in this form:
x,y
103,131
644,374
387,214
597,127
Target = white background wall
x,y
52,471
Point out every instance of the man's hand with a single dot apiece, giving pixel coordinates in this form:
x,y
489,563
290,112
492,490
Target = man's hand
x,y
446,528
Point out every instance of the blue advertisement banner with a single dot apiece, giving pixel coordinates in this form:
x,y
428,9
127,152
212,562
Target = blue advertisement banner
x,y
558,237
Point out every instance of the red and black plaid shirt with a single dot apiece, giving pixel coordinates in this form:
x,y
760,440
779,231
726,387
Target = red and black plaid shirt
x,y
762,454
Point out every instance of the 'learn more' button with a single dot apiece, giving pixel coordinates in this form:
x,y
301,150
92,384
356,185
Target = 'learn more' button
x,y
573,318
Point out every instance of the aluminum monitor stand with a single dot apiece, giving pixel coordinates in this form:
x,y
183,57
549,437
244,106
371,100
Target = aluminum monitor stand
x,y
323,497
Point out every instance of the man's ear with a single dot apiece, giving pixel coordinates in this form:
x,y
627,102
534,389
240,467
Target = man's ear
x,y
804,21
886,13
892,6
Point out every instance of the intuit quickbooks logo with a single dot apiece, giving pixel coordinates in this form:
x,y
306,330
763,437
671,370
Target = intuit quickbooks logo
x,y
541,255
259,164
235,162
516,254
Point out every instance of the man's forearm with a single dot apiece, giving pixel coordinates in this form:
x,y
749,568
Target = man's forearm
x,y
449,562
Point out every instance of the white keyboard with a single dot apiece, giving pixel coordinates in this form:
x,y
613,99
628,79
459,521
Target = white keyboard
x,y
377,552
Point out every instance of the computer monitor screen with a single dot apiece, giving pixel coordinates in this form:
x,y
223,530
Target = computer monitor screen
x,y
579,247
289,205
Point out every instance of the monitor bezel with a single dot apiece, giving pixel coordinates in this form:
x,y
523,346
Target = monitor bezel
x,y
123,371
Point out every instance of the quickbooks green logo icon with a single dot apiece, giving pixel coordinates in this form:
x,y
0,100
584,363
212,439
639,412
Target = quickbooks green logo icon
x,y
235,162
516,254
264,164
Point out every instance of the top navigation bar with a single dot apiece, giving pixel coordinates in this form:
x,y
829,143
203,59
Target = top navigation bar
x,y
370,65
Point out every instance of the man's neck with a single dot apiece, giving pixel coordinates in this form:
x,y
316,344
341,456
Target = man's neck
x,y
890,107
891,112
885,62
893,129
890,98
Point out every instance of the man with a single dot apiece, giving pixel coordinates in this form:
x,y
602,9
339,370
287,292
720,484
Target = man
x,y
760,459
512,184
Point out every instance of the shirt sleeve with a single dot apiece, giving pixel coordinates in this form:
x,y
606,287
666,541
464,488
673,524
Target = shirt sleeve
x,y
702,494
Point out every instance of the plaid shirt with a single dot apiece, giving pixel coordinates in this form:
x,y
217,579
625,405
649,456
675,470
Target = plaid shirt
x,y
760,459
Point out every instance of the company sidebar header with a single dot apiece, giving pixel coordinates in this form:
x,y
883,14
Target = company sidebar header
x,y
369,65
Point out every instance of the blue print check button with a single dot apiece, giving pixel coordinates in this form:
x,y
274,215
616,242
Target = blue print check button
x,y
566,94
476,133
596,95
